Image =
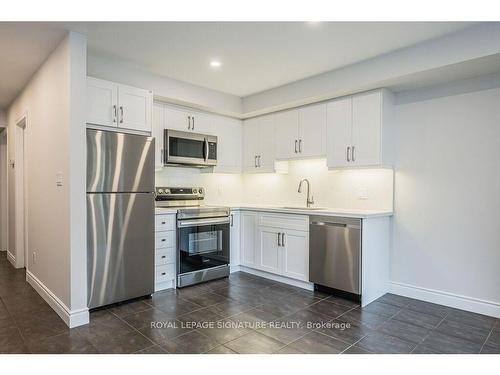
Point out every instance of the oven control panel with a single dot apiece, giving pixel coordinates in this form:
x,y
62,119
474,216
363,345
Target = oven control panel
x,y
179,193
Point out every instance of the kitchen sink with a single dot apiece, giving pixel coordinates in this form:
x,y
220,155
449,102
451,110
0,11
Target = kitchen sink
x,y
302,208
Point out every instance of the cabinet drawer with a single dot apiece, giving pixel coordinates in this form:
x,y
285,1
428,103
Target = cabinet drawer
x,y
165,256
165,273
164,222
285,221
164,239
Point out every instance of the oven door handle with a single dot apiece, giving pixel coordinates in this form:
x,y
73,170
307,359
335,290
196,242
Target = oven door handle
x,y
198,222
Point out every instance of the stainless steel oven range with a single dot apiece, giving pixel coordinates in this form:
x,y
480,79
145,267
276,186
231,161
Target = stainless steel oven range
x,y
203,244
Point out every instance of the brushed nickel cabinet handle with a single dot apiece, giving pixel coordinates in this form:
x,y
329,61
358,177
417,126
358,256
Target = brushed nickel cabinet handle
x,y
255,161
300,145
192,127
260,165
114,113
348,150
282,239
279,239
121,115
189,122
353,153
295,146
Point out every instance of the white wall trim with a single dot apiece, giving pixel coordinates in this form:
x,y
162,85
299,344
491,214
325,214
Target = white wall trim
x,y
281,279
73,318
11,258
458,301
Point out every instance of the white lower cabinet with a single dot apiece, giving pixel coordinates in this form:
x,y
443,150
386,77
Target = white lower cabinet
x,y
276,243
268,249
165,251
248,225
295,261
234,233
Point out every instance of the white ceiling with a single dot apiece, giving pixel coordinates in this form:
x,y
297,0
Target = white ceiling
x,y
255,56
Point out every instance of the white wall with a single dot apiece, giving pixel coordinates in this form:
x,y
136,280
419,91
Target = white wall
x,y
55,138
3,119
164,88
446,238
334,189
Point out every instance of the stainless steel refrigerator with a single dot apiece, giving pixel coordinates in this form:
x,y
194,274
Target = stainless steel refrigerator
x,y
120,216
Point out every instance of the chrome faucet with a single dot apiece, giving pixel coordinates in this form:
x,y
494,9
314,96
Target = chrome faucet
x,y
310,199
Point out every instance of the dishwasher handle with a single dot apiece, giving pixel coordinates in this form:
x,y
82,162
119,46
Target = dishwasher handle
x,y
334,224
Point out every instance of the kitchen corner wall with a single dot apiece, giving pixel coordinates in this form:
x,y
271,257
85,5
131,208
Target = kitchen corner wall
x,y
334,189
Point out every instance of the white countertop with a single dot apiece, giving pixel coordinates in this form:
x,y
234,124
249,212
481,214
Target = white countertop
x,y
362,214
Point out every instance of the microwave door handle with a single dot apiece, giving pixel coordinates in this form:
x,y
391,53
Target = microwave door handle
x,y
205,149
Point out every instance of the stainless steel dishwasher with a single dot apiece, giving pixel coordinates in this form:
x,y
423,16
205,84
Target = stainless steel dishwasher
x,y
335,254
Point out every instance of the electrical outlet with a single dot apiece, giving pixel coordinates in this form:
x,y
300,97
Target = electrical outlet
x,y
363,193
34,257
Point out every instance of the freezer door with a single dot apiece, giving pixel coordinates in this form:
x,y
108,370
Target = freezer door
x,y
120,247
118,162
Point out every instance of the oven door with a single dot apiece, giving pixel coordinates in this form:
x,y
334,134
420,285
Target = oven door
x,y
202,243
190,148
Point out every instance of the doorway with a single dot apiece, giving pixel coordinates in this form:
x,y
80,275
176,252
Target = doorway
x,y
19,242
4,213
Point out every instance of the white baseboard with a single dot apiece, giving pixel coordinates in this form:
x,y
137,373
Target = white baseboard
x,y
236,268
72,318
11,258
281,279
476,305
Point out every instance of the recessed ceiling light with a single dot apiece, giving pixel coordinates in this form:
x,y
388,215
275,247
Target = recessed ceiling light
x,y
215,64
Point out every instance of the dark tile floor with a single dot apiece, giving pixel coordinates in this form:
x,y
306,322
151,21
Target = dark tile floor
x,y
241,314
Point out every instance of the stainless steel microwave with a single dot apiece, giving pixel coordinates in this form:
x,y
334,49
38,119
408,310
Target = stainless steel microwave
x,y
186,148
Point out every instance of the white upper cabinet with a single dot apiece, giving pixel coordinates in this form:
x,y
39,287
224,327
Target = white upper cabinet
x,y
135,108
250,144
301,133
158,126
102,102
258,144
287,134
312,131
119,106
357,130
229,140
339,132
184,119
366,129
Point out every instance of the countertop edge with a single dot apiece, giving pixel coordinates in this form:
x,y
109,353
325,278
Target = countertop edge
x,y
327,212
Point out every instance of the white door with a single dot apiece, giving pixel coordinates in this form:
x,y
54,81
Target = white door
x,y
234,257
268,249
250,143
102,102
338,132
312,135
366,128
177,119
248,225
229,141
201,123
135,108
158,126
266,144
295,254
286,134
